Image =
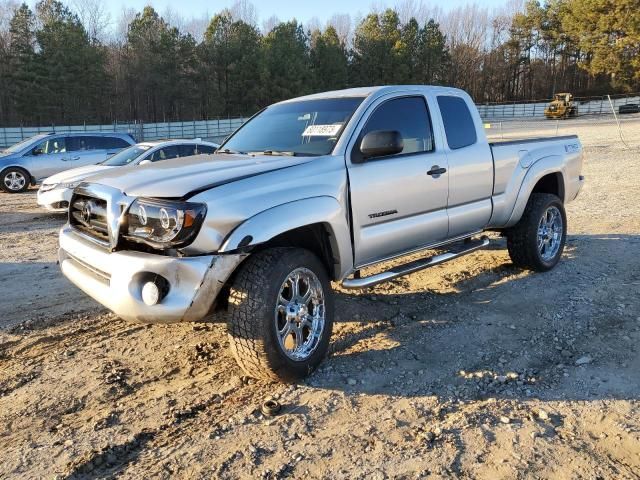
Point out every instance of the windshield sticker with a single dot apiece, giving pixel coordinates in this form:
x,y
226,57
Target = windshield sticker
x,y
322,130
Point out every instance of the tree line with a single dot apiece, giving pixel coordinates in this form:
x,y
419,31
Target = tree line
x,y
58,67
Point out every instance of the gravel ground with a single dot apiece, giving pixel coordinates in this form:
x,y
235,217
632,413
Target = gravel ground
x,y
473,369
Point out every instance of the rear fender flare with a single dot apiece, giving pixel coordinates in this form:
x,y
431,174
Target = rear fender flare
x,y
544,166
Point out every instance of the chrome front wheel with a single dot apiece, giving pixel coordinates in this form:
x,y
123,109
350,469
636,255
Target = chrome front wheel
x,y
300,314
280,313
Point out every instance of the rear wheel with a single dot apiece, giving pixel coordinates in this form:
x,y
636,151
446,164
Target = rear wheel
x,y
15,180
537,241
280,314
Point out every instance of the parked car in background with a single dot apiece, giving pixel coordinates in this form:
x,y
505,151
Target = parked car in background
x,y
629,108
28,162
55,191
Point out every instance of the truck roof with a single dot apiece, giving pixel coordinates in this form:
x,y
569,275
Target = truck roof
x,y
375,90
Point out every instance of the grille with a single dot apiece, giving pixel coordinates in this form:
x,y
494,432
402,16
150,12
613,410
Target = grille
x,y
89,215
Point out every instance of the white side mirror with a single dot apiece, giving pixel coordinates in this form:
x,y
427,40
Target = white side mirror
x,y
145,162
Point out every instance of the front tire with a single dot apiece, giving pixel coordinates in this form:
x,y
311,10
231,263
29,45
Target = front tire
x,y
537,241
14,180
280,314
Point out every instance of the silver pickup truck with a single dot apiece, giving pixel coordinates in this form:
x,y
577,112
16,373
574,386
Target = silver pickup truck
x,y
312,190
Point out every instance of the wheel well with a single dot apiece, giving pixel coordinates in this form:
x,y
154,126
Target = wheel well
x,y
551,183
317,238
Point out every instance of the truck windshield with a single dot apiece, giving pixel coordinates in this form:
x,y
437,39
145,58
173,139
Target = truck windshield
x,y
126,156
304,128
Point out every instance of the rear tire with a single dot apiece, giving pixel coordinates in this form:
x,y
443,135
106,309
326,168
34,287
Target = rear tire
x,y
537,241
278,331
14,180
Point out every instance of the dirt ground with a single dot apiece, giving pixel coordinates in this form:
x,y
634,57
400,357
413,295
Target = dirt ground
x,y
473,369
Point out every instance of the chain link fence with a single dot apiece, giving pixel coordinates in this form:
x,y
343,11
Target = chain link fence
x,y
598,105
502,120
213,130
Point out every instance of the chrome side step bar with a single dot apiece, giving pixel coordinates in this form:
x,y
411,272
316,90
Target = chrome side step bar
x,y
415,266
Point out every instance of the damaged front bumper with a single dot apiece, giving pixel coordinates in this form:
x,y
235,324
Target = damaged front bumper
x,y
116,279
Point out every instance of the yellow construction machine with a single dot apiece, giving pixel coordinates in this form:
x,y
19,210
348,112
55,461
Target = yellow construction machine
x,y
562,106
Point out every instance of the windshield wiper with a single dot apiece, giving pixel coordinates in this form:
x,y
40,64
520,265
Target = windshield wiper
x,y
229,151
284,153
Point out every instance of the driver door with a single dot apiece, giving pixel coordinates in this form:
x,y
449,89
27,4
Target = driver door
x,y
397,205
49,157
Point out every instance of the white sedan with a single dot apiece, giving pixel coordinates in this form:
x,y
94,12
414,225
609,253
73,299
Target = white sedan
x,y
55,192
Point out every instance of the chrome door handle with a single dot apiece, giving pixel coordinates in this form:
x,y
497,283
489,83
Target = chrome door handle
x,y
436,171
66,159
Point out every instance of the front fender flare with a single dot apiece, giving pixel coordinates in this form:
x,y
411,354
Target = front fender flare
x,y
270,223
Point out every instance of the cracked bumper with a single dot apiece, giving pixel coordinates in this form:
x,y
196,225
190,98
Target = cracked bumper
x,y
115,279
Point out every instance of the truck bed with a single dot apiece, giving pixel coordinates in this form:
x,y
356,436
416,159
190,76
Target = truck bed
x,y
518,141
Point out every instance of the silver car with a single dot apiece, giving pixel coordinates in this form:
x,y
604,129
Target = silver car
x,y
32,160
56,191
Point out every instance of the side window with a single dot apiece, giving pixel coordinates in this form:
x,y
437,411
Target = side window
x,y
98,143
458,123
165,153
206,149
113,143
52,145
81,143
410,117
187,150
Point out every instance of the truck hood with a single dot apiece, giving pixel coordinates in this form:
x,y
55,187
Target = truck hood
x,y
75,174
183,177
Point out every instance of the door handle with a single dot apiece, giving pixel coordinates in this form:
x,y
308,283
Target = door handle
x,y
436,171
66,159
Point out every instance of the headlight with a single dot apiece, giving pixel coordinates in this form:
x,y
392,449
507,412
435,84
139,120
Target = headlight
x,y
46,187
163,223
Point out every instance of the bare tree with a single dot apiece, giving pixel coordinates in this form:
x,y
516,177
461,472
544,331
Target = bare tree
x,y
269,24
246,11
95,17
408,9
7,9
313,25
122,25
343,26
197,26
174,18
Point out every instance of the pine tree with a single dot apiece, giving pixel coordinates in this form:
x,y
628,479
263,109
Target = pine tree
x,y
329,62
286,63
433,55
21,58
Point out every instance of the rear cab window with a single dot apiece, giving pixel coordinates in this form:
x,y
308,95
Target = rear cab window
x,y
459,127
